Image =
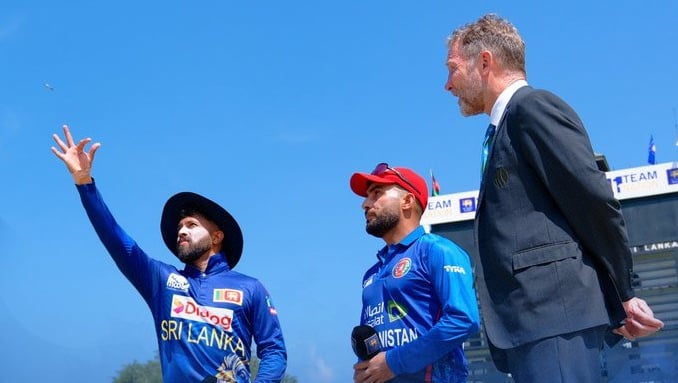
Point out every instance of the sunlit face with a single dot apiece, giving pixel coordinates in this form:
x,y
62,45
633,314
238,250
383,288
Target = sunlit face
x,y
464,82
193,238
382,209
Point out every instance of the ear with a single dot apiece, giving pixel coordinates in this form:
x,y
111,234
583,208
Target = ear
x,y
485,61
217,237
408,201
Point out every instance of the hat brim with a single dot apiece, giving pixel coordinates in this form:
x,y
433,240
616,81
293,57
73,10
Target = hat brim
x,y
232,245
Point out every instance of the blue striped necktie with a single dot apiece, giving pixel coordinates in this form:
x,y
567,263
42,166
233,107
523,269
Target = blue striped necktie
x,y
487,144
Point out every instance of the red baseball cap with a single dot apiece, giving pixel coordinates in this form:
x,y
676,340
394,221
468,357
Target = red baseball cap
x,y
386,175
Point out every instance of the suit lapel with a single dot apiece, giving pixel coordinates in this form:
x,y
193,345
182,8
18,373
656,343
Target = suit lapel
x,y
501,129
486,174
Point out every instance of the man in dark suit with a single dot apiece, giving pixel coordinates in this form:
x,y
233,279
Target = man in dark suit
x,y
553,261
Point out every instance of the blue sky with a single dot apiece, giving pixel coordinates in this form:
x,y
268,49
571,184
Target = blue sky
x,y
268,109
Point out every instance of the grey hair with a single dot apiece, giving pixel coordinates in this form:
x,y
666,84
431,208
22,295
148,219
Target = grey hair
x,y
494,34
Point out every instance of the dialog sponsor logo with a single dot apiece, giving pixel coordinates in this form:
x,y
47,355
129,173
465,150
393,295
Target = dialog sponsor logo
x,y
186,308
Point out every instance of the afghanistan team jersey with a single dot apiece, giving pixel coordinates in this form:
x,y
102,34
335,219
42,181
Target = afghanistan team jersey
x,y
204,321
419,297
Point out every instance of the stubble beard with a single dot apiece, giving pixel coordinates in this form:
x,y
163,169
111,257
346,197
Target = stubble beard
x,y
471,96
381,225
193,252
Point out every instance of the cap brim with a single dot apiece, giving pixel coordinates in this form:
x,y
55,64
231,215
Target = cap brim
x,y
232,245
361,181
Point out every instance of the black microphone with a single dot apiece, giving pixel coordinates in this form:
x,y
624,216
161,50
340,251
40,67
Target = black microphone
x,y
365,342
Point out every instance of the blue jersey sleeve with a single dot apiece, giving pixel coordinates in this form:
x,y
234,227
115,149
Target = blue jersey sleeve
x,y
137,267
268,338
452,279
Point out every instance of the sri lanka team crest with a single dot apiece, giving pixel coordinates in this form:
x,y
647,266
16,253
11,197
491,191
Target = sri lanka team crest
x,y
401,268
672,175
227,296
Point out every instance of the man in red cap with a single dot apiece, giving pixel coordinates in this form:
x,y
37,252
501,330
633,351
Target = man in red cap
x,y
206,315
419,296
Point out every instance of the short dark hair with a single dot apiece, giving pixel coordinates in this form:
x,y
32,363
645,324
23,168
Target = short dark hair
x,y
191,210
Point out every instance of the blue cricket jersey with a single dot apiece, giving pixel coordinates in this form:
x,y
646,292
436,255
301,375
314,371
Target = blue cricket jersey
x,y
205,321
420,299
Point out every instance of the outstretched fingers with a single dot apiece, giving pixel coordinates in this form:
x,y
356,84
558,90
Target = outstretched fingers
x,y
67,134
92,150
70,144
58,141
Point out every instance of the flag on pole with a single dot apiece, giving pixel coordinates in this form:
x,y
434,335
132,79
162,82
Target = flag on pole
x,y
435,188
652,150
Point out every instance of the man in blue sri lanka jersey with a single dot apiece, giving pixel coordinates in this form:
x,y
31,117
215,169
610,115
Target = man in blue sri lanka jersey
x,y
205,315
419,296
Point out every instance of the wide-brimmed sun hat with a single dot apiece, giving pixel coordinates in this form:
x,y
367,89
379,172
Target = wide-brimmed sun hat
x,y
232,244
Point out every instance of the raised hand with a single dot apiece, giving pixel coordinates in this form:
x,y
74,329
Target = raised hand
x,y
77,160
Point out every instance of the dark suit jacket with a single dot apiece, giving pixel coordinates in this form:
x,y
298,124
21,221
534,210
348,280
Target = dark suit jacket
x,y
552,244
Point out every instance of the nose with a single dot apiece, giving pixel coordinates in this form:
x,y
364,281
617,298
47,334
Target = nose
x,y
182,232
366,204
448,84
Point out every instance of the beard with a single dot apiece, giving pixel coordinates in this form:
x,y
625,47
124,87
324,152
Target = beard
x,y
194,250
471,95
382,224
